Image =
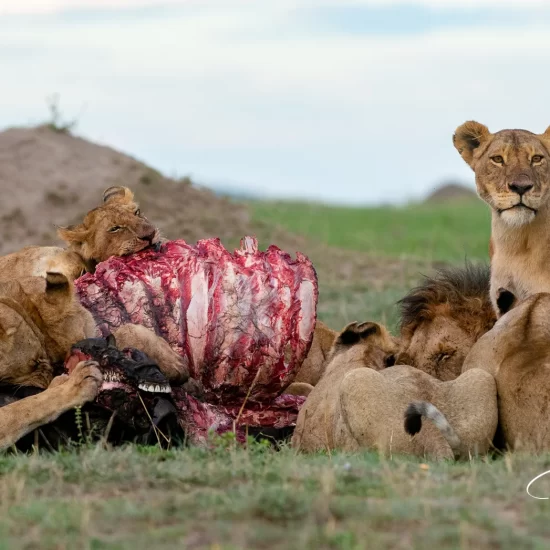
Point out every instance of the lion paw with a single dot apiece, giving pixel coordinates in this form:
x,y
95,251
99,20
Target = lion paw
x,y
84,382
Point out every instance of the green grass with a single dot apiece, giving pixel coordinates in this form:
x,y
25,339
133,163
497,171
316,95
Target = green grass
x,y
446,232
227,498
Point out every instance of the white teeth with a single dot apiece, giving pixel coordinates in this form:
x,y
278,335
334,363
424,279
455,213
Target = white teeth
x,y
155,388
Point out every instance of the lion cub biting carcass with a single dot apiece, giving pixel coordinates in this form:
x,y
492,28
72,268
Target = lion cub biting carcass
x,y
361,400
116,228
512,171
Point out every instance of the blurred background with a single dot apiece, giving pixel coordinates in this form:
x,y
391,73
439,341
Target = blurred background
x,y
289,111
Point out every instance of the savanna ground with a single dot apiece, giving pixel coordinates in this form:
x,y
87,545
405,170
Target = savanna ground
x,y
232,498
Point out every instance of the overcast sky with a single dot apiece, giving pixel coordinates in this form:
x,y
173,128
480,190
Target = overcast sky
x,y
346,100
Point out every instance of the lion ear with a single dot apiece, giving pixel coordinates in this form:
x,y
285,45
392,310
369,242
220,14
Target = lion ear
x,y
74,234
505,301
468,137
545,136
56,282
118,194
354,332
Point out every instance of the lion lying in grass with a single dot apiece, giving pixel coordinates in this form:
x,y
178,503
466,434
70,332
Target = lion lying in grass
x,y
360,403
40,318
443,317
116,228
517,353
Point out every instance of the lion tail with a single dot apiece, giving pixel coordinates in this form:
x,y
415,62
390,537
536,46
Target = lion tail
x,y
413,424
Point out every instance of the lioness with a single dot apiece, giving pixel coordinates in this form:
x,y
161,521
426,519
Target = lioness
x,y
513,177
359,403
516,351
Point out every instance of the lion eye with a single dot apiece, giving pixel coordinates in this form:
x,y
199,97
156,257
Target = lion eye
x,y
137,212
536,159
115,229
497,159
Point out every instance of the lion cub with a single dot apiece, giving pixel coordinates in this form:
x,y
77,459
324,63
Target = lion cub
x,y
361,401
512,169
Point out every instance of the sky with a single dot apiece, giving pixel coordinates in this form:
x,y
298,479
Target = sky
x,y
351,101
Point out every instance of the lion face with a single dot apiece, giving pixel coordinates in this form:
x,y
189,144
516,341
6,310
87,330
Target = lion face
x,y
512,169
437,346
117,228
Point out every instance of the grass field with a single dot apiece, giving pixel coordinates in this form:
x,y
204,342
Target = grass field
x,y
230,498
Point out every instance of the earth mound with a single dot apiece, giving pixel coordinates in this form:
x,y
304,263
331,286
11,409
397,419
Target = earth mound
x,y
451,192
50,178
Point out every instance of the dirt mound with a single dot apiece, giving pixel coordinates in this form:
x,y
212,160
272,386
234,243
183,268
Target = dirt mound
x,y
451,192
49,178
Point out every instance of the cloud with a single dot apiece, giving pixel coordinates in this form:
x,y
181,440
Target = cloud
x,y
249,93
51,6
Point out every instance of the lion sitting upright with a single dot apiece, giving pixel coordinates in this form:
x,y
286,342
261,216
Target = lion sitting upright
x,y
512,170
361,400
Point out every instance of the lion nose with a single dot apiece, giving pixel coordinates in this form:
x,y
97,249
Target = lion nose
x,y
520,187
149,238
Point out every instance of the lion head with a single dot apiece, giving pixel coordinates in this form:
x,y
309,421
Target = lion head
x,y
117,228
39,319
442,319
365,344
512,169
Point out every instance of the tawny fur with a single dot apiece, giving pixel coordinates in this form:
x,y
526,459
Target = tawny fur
x,y
504,162
516,352
116,228
64,393
443,317
359,403
314,364
41,318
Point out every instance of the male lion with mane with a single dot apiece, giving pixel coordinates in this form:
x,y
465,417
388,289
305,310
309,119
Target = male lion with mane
x,y
443,317
512,170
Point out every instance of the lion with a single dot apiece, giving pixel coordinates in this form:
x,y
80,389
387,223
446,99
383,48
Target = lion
x,y
117,228
41,318
314,364
512,171
443,317
516,352
361,400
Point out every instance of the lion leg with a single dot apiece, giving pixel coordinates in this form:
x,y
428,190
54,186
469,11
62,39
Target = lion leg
x,y
19,418
170,363
41,376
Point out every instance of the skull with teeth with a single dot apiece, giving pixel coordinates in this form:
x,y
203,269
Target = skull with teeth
x,y
128,370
